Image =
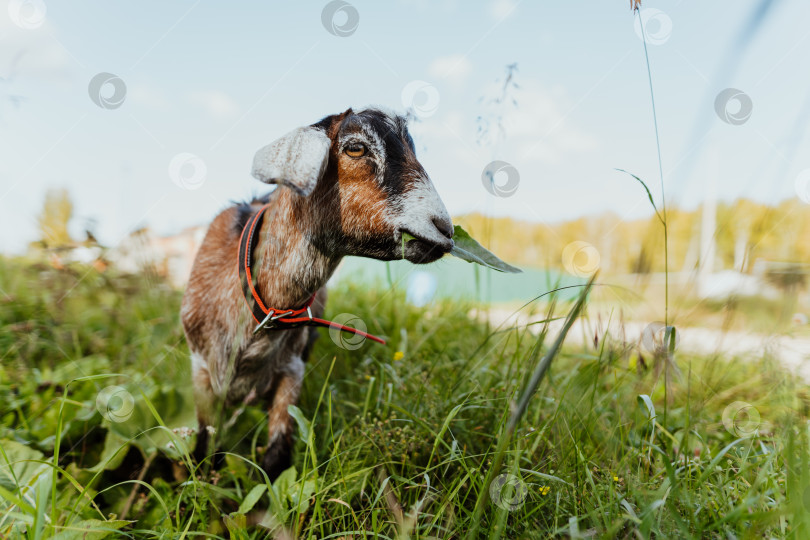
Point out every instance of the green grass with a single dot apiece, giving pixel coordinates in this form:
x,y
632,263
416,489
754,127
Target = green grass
x,y
389,445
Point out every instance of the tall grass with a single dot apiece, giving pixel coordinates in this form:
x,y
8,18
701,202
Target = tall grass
x,y
387,447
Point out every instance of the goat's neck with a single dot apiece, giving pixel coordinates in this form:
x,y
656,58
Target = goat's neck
x,y
290,268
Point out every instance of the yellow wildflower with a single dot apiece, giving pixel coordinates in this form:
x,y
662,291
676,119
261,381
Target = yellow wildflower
x,y
399,355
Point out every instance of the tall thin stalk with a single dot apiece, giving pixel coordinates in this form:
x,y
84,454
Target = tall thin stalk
x,y
660,170
523,403
663,209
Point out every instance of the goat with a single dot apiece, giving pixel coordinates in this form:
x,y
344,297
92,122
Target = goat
x,y
349,184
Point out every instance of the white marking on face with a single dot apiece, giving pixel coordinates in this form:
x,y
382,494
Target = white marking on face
x,y
420,205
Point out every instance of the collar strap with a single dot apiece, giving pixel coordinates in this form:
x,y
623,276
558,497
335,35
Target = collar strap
x,y
268,318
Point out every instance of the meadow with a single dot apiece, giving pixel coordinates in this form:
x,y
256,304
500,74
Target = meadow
x,y
409,440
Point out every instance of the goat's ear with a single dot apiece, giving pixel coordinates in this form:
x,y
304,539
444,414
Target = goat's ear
x,y
297,160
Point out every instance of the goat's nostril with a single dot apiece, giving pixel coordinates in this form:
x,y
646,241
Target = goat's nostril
x,y
444,225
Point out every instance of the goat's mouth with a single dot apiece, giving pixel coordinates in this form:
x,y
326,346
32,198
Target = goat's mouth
x,y
420,250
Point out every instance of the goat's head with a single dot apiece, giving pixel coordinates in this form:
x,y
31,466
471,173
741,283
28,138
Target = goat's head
x,y
357,176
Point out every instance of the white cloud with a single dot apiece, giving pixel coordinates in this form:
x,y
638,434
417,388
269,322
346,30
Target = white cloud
x,y
539,129
454,68
502,8
541,137
216,103
148,96
32,53
537,126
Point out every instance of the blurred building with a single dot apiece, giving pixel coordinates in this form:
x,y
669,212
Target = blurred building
x,y
169,256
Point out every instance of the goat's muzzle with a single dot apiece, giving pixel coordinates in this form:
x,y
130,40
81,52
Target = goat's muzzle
x,y
428,245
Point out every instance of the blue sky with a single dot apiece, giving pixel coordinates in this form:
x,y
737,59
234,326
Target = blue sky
x,y
219,81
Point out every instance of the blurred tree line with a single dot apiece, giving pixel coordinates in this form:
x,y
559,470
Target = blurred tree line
x,y
744,232
53,223
53,220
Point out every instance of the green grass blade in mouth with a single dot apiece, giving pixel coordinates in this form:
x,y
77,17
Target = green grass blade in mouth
x,y
405,238
468,249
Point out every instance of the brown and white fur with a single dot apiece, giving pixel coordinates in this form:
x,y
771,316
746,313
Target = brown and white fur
x,y
331,203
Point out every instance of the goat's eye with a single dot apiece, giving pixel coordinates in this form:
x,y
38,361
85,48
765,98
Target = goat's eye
x,y
355,150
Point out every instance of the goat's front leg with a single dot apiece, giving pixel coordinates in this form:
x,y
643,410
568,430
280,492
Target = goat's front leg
x,y
287,386
204,402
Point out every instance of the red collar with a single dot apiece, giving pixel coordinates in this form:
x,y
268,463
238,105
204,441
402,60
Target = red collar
x,y
269,318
